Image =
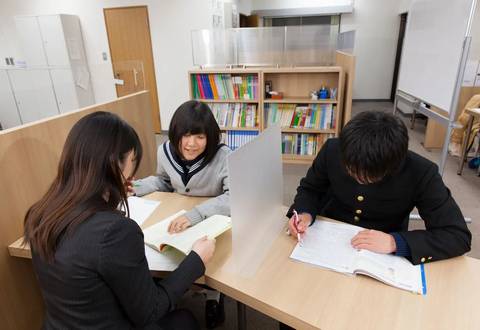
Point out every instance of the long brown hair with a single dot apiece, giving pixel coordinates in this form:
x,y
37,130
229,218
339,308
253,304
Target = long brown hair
x,y
89,180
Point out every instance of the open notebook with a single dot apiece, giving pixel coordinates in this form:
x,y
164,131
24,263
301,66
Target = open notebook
x,y
158,238
327,245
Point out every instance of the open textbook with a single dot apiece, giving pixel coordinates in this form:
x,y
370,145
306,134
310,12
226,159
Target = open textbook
x,y
158,238
327,245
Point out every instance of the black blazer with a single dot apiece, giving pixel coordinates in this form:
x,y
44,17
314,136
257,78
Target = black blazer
x,y
100,278
329,191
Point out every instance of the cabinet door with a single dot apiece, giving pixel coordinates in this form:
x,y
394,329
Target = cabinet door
x,y
8,108
34,94
53,40
30,40
64,86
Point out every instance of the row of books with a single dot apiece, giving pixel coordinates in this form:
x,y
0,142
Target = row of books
x,y
236,139
303,144
313,116
235,114
225,86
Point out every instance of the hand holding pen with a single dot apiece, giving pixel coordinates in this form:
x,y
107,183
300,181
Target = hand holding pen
x,y
298,224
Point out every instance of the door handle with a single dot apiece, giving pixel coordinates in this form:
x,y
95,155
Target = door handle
x,y
135,72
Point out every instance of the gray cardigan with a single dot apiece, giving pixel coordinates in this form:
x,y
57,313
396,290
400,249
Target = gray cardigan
x,y
199,180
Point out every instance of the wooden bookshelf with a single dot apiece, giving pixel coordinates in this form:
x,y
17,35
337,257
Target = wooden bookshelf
x,y
296,85
301,101
297,159
239,129
226,101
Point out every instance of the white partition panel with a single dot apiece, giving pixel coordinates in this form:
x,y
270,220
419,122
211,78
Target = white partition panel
x,y
432,49
256,194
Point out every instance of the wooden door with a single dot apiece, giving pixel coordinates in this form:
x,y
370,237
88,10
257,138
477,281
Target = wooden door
x,y
128,32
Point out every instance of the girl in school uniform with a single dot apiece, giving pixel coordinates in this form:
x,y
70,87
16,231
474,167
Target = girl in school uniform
x,y
88,256
193,162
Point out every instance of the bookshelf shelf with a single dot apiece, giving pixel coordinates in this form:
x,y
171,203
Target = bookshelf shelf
x,y
252,129
296,109
307,130
297,159
226,101
301,101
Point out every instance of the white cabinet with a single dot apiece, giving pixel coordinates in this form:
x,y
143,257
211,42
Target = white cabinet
x,y
34,93
54,39
56,65
8,109
64,86
30,40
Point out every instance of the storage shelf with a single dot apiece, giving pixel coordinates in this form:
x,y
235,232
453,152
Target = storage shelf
x,y
296,83
226,101
239,129
297,159
301,100
307,130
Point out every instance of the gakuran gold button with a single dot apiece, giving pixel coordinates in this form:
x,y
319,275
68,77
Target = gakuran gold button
x,y
356,219
358,211
423,259
360,198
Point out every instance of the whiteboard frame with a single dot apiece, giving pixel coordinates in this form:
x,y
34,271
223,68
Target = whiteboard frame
x,y
419,105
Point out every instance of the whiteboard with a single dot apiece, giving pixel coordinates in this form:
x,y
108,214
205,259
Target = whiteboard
x,y
432,49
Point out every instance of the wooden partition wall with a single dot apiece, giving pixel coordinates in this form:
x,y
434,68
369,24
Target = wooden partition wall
x,y
347,62
29,157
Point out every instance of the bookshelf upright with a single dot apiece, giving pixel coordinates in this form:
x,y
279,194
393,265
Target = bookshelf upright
x,y
238,101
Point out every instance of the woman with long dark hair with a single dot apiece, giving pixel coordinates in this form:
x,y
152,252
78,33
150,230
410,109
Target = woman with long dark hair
x,y
89,257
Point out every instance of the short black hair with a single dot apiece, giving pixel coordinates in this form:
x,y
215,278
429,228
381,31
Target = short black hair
x,y
373,145
194,117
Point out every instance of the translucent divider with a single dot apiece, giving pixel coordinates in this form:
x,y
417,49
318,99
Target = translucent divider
x,y
256,194
260,46
213,47
311,44
269,46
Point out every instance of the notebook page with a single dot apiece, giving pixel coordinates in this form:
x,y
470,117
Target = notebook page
x,y
158,233
327,245
141,209
391,269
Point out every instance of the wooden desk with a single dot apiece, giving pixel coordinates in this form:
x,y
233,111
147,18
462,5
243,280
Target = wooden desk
x,y
307,297
472,114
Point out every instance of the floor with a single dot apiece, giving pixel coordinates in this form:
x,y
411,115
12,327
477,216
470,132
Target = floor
x,y
465,189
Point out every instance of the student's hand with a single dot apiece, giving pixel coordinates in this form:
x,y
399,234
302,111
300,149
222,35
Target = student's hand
x,y
129,186
179,224
205,248
304,220
375,241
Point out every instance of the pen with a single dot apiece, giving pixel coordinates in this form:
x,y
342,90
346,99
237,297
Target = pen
x,y
295,224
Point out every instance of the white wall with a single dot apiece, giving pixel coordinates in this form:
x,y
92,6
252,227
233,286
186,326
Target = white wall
x,y
170,26
282,4
376,23
404,6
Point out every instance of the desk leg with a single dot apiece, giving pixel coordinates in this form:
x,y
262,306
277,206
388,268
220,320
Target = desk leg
x,y
241,316
466,138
